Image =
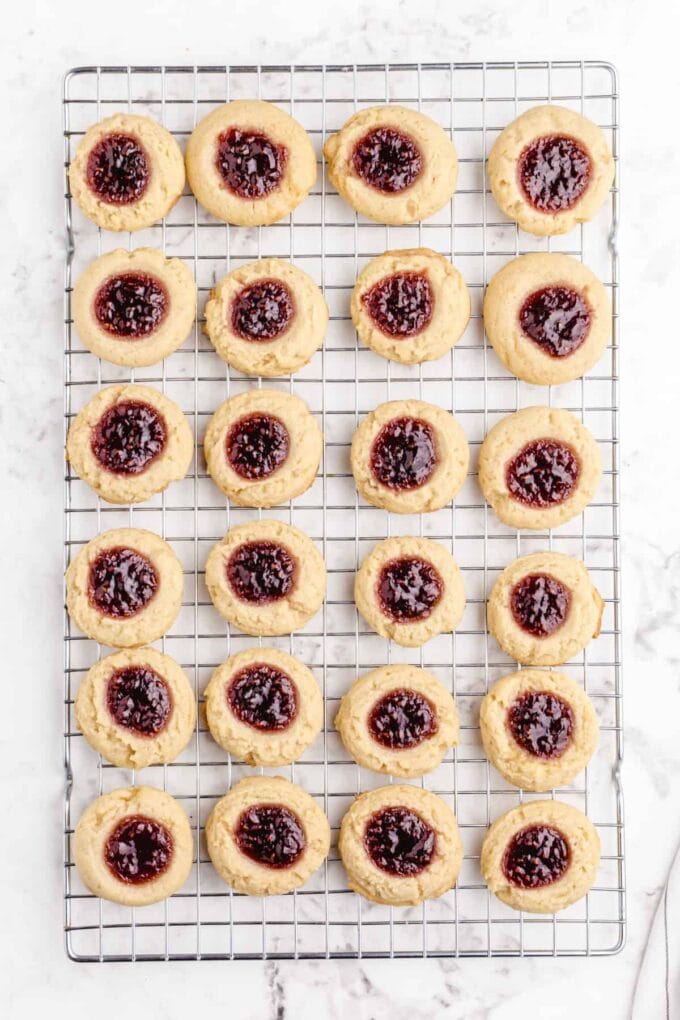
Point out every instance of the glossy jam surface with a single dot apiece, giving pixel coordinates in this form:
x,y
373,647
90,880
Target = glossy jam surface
x,y
399,841
400,305
271,835
536,856
541,723
131,306
250,164
387,160
544,473
257,445
404,454
557,319
261,572
553,172
408,589
402,718
129,437
263,697
263,311
122,582
540,604
138,850
139,700
118,169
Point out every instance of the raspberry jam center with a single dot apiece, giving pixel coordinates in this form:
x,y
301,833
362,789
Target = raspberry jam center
x,y
400,305
544,473
399,841
387,160
409,589
263,697
536,856
404,454
129,437
139,700
540,604
118,169
250,164
261,572
557,319
138,850
553,172
541,723
271,835
122,582
263,311
131,305
403,718
257,446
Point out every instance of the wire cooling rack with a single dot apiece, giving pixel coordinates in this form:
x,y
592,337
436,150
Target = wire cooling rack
x,y
343,382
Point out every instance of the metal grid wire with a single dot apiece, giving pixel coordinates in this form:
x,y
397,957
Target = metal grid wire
x,y
343,382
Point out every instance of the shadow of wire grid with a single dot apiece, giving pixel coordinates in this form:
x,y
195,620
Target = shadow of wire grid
x,y
206,920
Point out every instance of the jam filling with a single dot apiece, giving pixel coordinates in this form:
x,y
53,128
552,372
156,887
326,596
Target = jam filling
x,y
557,319
129,437
261,572
122,582
544,473
541,723
540,604
118,169
250,164
263,311
399,841
400,305
131,306
408,589
403,718
553,172
404,454
263,697
139,700
271,835
138,850
536,856
257,446
387,160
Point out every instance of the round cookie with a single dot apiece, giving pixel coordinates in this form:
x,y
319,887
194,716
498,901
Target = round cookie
x,y
544,609
136,708
133,846
250,163
129,442
409,589
263,447
409,457
548,317
267,836
410,306
266,318
127,172
398,719
124,588
400,845
266,578
538,729
541,856
134,308
264,707
392,164
539,467
550,169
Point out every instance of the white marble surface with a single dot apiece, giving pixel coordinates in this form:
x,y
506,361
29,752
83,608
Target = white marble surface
x,y
39,41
